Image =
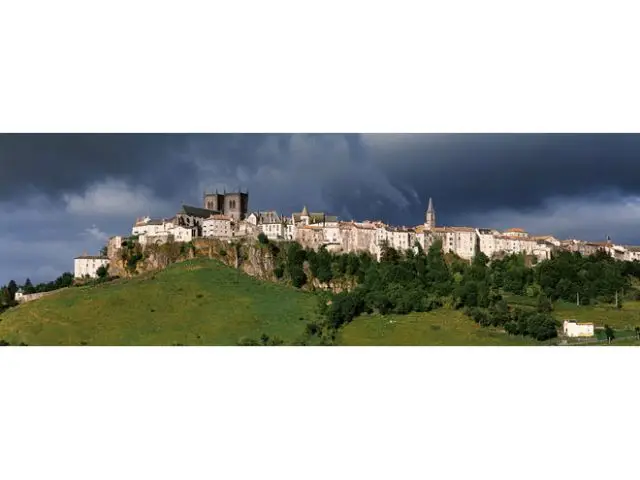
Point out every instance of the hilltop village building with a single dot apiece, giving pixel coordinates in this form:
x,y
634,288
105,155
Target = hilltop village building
x,y
226,216
88,265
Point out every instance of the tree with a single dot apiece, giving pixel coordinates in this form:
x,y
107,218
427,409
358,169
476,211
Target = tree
x,y
28,287
104,251
12,288
102,271
544,304
263,239
64,280
609,333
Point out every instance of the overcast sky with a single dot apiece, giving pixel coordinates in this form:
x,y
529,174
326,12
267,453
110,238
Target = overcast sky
x,y
63,195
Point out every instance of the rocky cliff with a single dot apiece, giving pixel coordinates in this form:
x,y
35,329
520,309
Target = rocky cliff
x,y
253,258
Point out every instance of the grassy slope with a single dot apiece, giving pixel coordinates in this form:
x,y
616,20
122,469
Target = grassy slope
x,y
199,302
440,327
625,318
202,302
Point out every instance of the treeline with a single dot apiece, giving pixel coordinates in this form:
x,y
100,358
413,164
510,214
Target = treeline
x,y
418,281
8,292
291,258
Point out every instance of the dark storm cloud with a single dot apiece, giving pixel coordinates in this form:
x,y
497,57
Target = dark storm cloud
x,y
464,173
54,163
67,192
468,174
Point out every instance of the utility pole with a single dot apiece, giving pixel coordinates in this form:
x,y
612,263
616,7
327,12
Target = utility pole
x,y
578,299
616,299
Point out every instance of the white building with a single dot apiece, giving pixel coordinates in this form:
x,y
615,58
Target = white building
x,y
571,328
217,226
424,237
149,226
19,296
245,229
273,231
88,265
464,241
183,234
487,241
543,250
400,239
332,233
516,232
549,239
269,223
253,218
290,230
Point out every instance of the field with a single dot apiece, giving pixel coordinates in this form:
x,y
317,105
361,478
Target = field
x,y
200,302
625,318
440,327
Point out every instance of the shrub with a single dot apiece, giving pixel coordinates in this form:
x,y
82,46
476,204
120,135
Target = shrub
x,y
263,239
279,272
102,271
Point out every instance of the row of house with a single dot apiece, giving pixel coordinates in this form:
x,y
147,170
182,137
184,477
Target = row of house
x,y
317,229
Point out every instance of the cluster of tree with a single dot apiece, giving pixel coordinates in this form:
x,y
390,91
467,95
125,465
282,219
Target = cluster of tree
x,y
289,261
415,280
537,324
595,278
8,292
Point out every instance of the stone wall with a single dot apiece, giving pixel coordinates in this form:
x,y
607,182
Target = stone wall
x,y
35,296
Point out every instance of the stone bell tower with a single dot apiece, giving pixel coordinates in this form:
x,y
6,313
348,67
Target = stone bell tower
x,y
430,216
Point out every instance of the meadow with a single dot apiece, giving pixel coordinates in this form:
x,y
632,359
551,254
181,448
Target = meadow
x,y
443,327
198,302
203,302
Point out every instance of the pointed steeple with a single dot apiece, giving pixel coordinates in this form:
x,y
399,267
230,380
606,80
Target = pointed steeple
x,y
305,212
430,216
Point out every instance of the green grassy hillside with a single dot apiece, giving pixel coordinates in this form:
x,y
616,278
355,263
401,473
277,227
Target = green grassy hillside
x,y
439,327
199,302
202,302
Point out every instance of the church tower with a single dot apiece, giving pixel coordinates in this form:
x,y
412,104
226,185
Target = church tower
x,y
430,217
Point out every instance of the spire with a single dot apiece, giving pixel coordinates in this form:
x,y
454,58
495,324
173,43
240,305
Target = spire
x,y
305,212
430,216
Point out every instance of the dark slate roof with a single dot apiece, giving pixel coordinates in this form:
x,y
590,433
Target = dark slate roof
x,y
91,257
316,217
155,221
198,212
269,217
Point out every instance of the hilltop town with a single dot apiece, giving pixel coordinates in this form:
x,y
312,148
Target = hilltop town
x,y
226,216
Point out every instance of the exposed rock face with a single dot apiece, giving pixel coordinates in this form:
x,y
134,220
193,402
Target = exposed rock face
x,y
246,255
335,286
